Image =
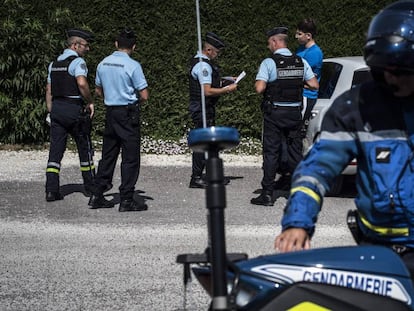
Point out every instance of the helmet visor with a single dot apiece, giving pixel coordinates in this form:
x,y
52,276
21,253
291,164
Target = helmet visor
x,y
392,24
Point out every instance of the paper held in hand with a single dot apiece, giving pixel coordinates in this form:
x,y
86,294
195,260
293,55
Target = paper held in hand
x,y
241,76
231,79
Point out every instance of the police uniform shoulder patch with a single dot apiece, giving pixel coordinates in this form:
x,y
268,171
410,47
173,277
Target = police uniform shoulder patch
x,y
205,72
383,155
83,66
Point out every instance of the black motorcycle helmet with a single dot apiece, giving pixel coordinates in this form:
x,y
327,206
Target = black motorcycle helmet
x,y
390,39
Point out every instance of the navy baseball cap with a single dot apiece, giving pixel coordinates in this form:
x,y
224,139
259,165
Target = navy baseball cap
x,y
281,30
81,33
214,40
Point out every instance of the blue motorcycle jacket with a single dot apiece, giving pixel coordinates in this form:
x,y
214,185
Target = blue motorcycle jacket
x,y
374,127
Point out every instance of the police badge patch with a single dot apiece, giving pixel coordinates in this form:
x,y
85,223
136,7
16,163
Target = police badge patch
x,y
205,72
83,66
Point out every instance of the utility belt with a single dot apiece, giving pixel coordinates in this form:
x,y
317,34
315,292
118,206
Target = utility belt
x,y
352,220
268,106
132,106
71,100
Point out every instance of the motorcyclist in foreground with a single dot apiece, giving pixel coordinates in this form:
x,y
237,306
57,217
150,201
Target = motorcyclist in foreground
x,y
374,123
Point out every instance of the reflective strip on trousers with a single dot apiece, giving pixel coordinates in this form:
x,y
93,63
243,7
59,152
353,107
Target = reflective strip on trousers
x,y
53,167
86,166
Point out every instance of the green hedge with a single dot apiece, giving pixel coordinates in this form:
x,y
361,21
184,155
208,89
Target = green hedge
x,y
31,35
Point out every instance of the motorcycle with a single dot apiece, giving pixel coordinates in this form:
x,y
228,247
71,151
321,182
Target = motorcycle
x,y
334,278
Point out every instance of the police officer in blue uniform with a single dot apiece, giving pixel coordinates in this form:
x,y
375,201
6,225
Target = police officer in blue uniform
x,y
67,91
121,82
312,53
374,123
280,79
207,74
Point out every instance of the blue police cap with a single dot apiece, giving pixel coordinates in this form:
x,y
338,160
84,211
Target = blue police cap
x,y
277,31
77,32
214,40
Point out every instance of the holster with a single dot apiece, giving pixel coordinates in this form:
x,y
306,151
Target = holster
x,y
133,113
352,222
267,106
85,130
85,123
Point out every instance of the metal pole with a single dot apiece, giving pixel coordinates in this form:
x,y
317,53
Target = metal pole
x,y
215,204
203,100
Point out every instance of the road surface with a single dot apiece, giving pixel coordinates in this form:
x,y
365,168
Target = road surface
x,y
64,256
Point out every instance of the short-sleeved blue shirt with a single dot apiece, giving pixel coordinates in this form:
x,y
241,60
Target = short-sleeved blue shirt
x,y
120,77
202,71
314,56
267,70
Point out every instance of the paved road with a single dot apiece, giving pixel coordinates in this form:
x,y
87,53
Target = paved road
x,y
64,256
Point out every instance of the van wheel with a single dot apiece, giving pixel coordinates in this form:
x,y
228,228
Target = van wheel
x,y
336,187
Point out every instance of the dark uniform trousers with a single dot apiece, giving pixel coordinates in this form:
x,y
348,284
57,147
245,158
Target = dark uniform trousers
x,y
122,131
310,103
65,120
281,129
198,158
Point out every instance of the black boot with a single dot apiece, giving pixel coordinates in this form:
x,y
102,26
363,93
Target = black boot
x,y
265,198
130,205
98,201
197,182
53,196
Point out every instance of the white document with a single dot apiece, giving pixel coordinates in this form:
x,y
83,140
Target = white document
x,y
241,76
228,78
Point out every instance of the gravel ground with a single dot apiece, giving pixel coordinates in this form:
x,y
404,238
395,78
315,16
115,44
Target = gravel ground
x,y
30,165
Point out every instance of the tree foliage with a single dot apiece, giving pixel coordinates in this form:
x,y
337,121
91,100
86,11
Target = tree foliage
x,y
32,34
26,43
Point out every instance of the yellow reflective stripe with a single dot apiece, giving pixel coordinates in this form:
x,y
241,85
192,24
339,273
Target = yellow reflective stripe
x,y
87,168
307,306
307,191
384,230
52,170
